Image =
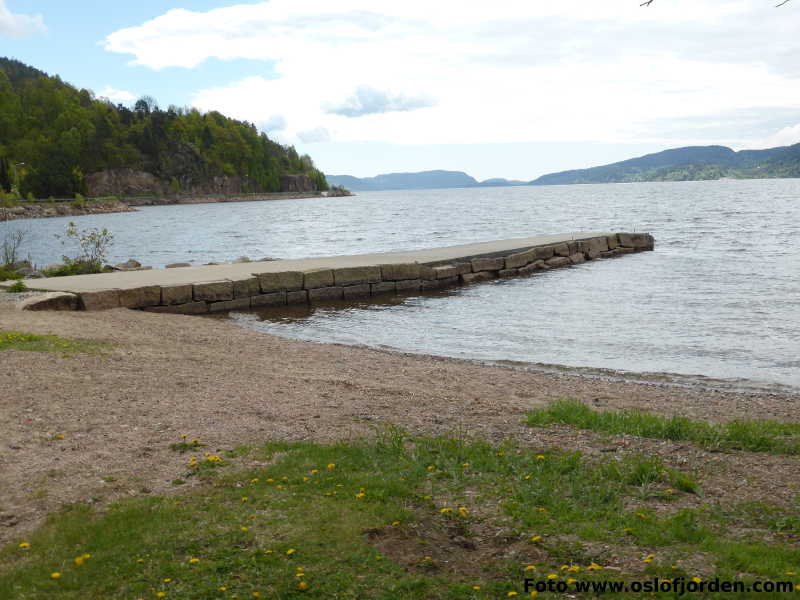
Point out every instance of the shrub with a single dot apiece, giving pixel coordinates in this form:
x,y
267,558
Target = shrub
x,y
17,286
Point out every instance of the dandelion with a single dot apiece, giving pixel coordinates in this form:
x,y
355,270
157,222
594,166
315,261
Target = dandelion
x,y
314,471
87,556
395,523
139,560
537,538
564,567
476,588
627,530
254,480
669,491
501,454
642,515
534,593
184,436
245,529
446,510
511,593
194,561
594,567
465,465
331,466
160,594
552,575
24,545
302,586
696,579
256,594
79,560
167,580
570,581
574,569
541,509
540,457
270,480
462,510
530,568
647,560
290,551
268,551
431,468
221,588
790,573
195,441
59,436
245,498
306,478
55,575
526,477
360,495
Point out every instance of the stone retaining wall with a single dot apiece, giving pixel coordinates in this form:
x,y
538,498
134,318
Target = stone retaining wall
x,y
356,283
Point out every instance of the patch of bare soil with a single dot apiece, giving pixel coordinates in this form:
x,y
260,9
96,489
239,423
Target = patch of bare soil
x,y
174,374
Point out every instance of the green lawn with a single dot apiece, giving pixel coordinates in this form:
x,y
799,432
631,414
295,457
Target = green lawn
x,y
14,340
398,517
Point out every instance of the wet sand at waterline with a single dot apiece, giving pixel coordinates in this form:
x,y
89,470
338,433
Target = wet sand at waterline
x,y
167,375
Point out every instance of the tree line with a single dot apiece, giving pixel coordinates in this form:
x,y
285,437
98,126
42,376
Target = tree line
x,y
52,135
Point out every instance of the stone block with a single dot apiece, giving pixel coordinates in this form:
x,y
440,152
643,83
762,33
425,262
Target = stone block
x,y
213,291
593,247
438,284
427,273
325,294
445,271
271,299
236,304
384,287
189,308
297,297
557,262
244,288
139,297
573,248
400,272
532,268
177,265
612,241
577,258
561,250
508,273
409,286
317,278
543,252
50,301
179,293
468,278
488,264
622,250
520,259
463,267
282,281
356,275
639,241
352,292
100,300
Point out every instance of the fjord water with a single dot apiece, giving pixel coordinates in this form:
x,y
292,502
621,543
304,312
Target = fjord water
x,y
719,296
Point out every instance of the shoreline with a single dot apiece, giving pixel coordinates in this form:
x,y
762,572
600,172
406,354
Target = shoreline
x,y
167,375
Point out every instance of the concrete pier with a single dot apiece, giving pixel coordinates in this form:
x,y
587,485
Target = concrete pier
x,y
212,288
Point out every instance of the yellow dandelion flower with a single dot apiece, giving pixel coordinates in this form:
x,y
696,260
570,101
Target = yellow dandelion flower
x,y
797,588
314,471
290,551
87,556
431,468
575,569
570,581
552,575
446,510
59,436
395,523
306,478
512,593
331,466
221,588
256,594
270,480
540,457
650,556
541,509
302,586
24,545
245,498
536,538
360,495
139,560
790,573
55,575
642,515
195,441
526,477
160,594
284,478
254,480
530,568
245,529
500,454
194,561
594,567
299,574
184,436
696,579
465,465
534,593
564,567
647,560
669,491
476,588
167,580
268,551
627,530
79,560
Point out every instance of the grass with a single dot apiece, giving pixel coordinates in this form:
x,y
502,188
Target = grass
x,y
14,340
741,434
395,517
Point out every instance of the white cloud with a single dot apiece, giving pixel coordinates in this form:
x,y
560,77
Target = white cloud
x,y
507,71
17,26
115,95
369,101
312,136
787,136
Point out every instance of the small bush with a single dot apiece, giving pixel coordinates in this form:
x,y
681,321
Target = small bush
x,y
17,287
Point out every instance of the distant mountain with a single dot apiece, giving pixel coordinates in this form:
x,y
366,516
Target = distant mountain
x,y
415,181
688,164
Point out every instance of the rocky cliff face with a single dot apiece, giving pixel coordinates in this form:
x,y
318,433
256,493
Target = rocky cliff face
x,y
130,182
296,183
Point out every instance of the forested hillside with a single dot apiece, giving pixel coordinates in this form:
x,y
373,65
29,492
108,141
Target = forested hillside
x,y
53,136
688,164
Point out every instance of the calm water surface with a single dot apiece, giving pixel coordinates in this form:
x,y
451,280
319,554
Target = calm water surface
x,y
719,297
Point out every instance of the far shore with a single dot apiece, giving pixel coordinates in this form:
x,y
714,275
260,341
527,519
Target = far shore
x,y
98,427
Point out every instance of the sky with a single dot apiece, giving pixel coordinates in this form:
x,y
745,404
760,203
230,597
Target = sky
x,y
497,89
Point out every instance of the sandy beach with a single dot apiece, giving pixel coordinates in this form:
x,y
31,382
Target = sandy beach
x,y
167,375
